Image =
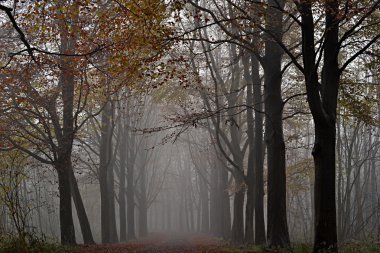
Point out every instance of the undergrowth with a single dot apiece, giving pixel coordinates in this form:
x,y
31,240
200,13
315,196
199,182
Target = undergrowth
x,y
29,243
353,247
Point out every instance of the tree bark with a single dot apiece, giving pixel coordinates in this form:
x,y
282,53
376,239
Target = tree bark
x,y
131,191
65,139
324,198
258,154
322,100
225,203
181,213
277,233
249,209
65,209
237,232
168,212
105,159
143,205
216,219
81,211
122,202
232,97
204,205
111,191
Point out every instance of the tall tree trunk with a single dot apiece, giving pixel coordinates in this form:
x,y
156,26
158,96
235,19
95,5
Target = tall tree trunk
x,y
65,142
249,209
65,209
325,215
111,192
111,180
204,205
277,233
258,154
340,185
186,207
325,136
216,217
131,191
191,212
322,100
81,211
225,203
180,214
105,159
375,201
122,202
199,206
37,190
156,219
358,201
168,211
237,232
143,205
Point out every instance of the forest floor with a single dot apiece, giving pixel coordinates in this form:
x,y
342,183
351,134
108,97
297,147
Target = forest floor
x,y
165,243
203,243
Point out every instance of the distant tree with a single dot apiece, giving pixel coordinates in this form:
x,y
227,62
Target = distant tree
x,y
12,176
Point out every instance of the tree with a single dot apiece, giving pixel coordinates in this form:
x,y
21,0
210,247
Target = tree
x,y
277,234
57,82
322,96
13,174
241,28
106,166
56,134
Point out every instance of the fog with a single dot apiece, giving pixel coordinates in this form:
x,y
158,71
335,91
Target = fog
x,y
239,123
181,182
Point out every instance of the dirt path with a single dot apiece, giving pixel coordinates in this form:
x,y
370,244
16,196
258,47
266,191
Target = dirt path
x,y
165,243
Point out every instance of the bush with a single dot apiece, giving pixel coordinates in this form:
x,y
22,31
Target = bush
x,y
28,244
